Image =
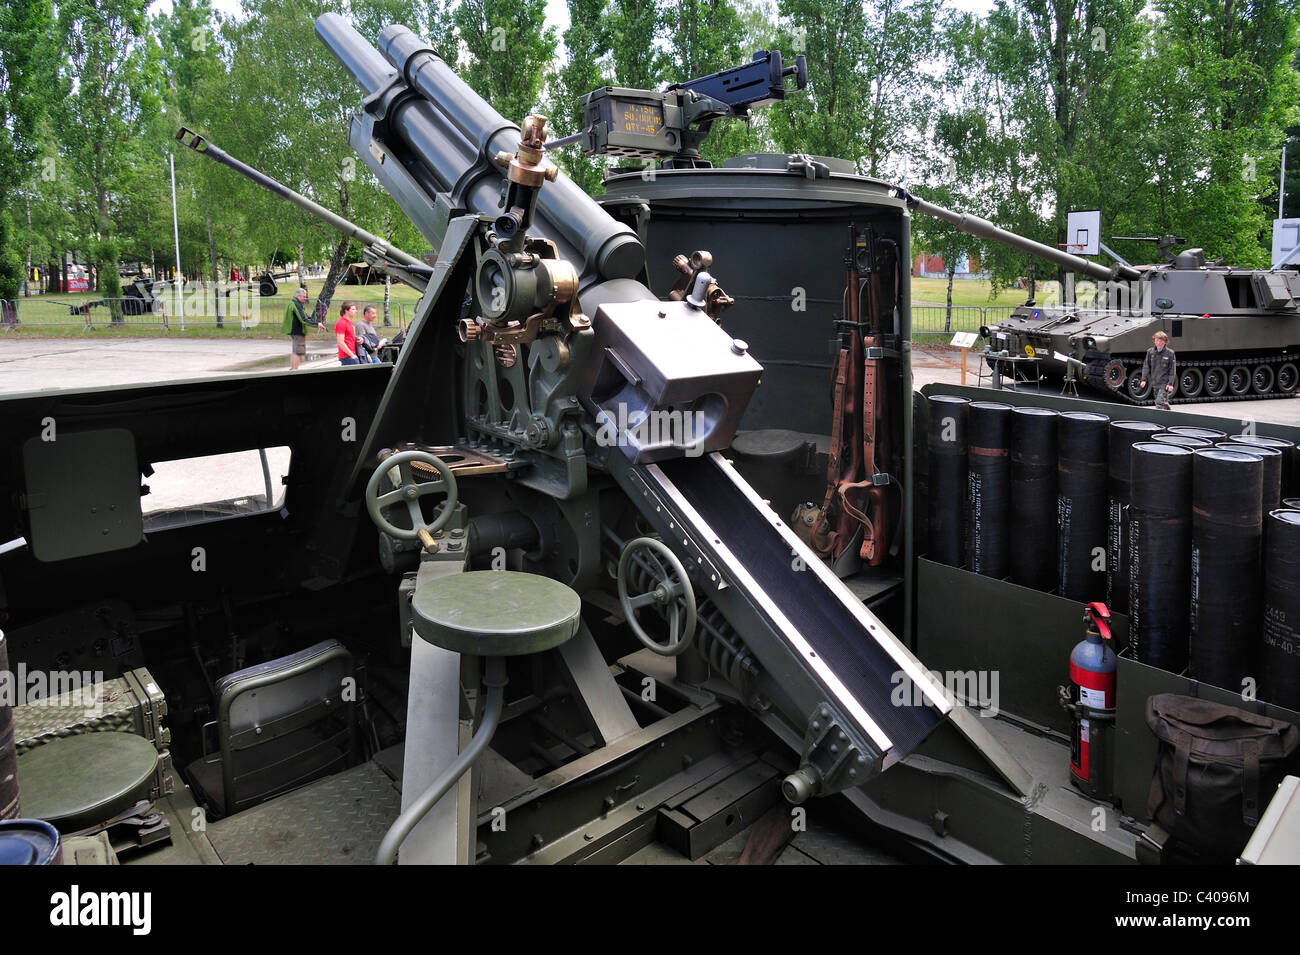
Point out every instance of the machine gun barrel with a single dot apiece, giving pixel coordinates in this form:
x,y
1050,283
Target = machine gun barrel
x,y
987,230
204,148
445,137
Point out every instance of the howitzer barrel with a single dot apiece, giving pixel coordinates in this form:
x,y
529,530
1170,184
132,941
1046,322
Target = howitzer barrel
x,y
452,135
987,230
348,228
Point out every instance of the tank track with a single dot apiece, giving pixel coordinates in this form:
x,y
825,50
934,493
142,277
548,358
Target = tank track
x,y
1099,365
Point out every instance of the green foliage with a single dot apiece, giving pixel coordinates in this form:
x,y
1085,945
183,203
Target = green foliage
x,y
633,28
585,41
11,269
510,49
1168,119
866,77
26,88
1168,115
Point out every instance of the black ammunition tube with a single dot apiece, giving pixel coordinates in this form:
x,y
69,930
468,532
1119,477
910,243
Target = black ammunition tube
x,y
1279,665
1033,488
946,443
1123,435
1081,512
1226,586
1159,554
988,487
1288,449
1181,440
1271,495
1205,434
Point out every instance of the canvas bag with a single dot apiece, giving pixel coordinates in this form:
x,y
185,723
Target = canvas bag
x,y
1216,769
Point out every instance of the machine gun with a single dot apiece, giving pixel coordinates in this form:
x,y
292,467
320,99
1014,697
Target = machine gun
x,y
1165,244
670,125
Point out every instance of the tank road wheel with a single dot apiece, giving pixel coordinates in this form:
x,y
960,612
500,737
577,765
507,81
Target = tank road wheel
x,y
1135,389
1190,382
1114,374
1239,380
1262,380
1288,378
1216,381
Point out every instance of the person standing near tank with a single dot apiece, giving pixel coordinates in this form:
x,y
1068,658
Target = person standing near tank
x,y
295,326
1160,369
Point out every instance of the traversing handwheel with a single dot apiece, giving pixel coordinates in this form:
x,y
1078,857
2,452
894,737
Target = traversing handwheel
x,y
409,492
647,565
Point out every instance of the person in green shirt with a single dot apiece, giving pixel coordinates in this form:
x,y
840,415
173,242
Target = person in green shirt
x,y
295,326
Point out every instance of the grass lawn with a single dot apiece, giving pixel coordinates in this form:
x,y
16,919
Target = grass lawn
x,y
244,315
968,292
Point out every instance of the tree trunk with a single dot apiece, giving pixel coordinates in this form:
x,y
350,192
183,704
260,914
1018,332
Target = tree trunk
x,y
212,261
302,275
107,281
388,279
27,264
332,278
947,315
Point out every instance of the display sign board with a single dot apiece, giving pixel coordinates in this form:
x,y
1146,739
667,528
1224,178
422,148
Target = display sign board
x,y
964,339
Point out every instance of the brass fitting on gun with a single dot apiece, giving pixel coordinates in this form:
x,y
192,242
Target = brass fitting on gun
x,y
697,287
529,165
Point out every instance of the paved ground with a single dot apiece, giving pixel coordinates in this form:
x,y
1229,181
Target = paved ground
x,y
944,365
37,364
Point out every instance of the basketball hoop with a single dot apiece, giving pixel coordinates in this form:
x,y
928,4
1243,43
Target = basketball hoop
x,y
1077,248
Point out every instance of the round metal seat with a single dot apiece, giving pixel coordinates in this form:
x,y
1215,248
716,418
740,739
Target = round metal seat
x,y
81,781
495,613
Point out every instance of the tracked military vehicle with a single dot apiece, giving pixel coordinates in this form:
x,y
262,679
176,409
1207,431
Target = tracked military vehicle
x,y
555,587
1236,332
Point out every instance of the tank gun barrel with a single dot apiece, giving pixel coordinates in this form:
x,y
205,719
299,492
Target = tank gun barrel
x,y
380,246
445,140
987,230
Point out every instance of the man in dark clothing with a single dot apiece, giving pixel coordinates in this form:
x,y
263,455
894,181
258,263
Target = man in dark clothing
x,y
295,326
1161,369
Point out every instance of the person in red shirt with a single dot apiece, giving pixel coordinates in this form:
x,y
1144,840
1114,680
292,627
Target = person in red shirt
x,y
345,334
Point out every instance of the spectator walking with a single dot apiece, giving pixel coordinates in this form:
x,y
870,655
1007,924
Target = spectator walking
x,y
295,326
367,337
1161,369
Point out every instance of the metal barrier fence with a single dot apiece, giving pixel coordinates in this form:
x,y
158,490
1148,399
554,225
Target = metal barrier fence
x,y
195,311
942,320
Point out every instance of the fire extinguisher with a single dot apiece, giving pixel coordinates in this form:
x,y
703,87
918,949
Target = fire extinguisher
x,y
1090,700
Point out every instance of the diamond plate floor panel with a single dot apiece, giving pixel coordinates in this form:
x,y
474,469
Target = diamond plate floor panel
x,y
338,820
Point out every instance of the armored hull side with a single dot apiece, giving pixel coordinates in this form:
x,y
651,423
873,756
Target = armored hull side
x,y
1236,333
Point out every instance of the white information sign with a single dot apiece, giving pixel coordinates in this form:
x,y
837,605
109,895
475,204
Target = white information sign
x,y
964,339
